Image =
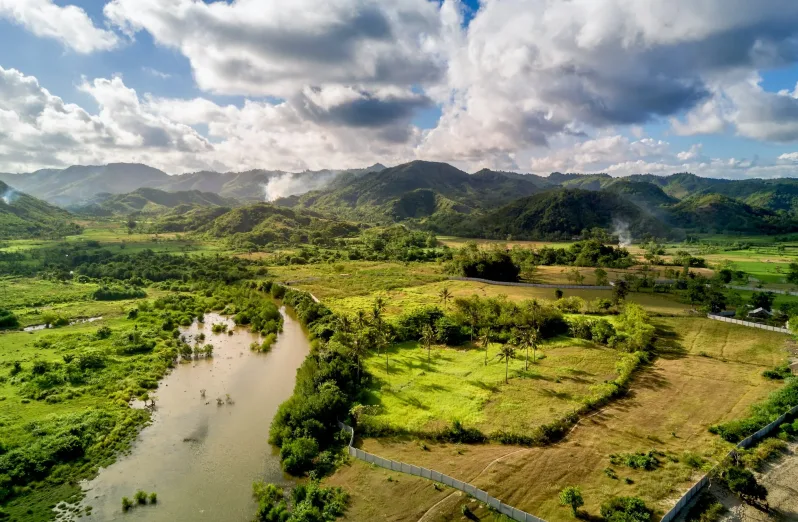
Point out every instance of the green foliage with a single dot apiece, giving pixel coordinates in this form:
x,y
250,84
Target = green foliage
x,y
127,504
308,503
646,461
117,293
742,482
572,497
625,509
634,324
140,497
8,319
23,216
779,373
493,264
761,414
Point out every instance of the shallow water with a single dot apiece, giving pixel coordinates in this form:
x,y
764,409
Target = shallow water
x,y
201,458
37,327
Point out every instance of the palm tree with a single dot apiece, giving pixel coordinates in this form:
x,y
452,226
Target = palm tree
x,y
360,319
344,324
445,295
379,304
358,349
427,340
506,352
529,338
385,341
484,337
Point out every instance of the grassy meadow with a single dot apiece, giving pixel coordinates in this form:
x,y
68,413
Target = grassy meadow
x,y
421,393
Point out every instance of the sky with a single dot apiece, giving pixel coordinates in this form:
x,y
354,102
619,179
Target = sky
x,y
617,86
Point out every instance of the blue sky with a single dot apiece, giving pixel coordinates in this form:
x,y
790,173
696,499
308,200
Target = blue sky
x,y
504,137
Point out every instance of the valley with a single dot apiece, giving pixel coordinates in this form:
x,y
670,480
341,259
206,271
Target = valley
x,y
522,334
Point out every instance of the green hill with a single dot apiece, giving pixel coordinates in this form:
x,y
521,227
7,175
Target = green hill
x,y
647,196
717,213
563,214
417,190
151,201
259,224
23,216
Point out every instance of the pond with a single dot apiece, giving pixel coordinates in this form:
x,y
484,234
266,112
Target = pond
x,y
200,457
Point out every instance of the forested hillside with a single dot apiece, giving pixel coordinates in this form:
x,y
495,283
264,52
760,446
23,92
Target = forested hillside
x,y
23,216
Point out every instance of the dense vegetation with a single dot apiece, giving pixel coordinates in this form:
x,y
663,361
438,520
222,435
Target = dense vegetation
x,y
145,201
23,216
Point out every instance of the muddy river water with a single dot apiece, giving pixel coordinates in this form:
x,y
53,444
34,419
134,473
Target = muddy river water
x,y
201,457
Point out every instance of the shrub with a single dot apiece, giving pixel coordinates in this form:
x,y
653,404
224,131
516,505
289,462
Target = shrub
x,y
117,292
298,454
743,482
778,373
8,319
127,504
153,498
572,496
140,497
625,509
647,461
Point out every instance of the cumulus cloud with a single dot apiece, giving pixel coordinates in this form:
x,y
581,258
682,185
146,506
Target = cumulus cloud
x,y
68,24
271,47
527,84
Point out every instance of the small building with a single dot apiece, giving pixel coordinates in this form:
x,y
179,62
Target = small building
x,y
760,313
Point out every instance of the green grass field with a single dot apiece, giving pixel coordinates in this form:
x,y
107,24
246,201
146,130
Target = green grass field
x,y
456,384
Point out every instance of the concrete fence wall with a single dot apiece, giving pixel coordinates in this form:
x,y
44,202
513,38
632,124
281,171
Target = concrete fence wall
x,y
429,474
747,443
749,324
753,289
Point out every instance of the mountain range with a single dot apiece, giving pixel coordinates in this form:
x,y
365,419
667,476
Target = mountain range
x,y
425,195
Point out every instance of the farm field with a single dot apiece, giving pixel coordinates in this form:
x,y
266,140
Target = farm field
x,y
668,409
417,395
409,298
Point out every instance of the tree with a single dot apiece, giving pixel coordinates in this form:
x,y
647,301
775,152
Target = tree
x,y
506,352
626,509
131,225
427,339
575,276
697,290
601,277
445,296
763,300
619,291
471,309
558,294
572,496
529,338
485,335
792,274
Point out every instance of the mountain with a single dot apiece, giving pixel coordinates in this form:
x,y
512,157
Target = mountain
x,y
716,213
417,190
647,196
262,223
23,216
150,201
562,214
80,183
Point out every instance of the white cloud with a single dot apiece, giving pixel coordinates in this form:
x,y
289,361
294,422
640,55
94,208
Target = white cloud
x,y
155,72
272,47
68,24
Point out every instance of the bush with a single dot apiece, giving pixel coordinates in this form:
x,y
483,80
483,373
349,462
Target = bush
x,y
298,454
647,461
8,319
153,498
778,373
626,509
572,497
743,482
127,504
117,292
140,497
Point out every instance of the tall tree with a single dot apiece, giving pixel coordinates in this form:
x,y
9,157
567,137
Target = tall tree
x,y
506,352
485,335
445,296
427,340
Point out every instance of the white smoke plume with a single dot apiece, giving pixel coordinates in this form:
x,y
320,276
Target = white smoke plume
x,y
620,229
9,196
290,184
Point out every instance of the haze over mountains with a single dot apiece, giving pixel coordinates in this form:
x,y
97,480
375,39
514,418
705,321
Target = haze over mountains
x,y
425,195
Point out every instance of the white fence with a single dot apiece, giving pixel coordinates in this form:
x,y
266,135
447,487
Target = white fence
x,y
531,285
747,443
401,467
749,324
752,289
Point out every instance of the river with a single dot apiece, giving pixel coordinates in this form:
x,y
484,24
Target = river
x,y
200,457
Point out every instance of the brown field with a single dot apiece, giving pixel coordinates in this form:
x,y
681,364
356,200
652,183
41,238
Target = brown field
x,y
669,408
